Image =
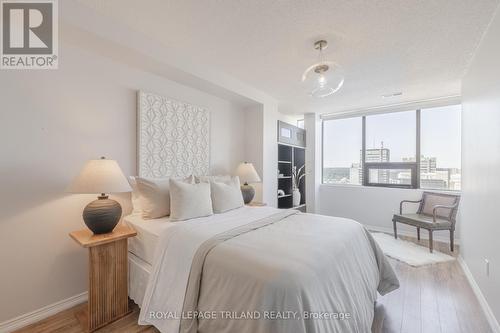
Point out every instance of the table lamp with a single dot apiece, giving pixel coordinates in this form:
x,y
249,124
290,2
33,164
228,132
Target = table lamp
x,y
101,177
247,174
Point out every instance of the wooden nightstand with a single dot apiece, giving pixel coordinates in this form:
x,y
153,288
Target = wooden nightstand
x,y
256,204
108,275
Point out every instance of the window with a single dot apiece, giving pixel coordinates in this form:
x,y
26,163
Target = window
x,y
342,143
300,123
410,149
440,148
391,137
390,149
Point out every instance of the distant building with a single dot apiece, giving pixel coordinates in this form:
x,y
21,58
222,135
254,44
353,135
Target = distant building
x,y
441,178
373,155
437,184
336,175
427,164
377,155
354,173
431,177
341,175
456,181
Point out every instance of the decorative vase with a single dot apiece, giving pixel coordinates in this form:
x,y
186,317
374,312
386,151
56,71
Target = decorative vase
x,y
296,197
102,215
248,193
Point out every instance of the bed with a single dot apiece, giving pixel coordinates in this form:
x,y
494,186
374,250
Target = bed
x,y
257,269
250,269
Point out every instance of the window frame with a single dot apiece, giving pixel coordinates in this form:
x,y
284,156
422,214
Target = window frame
x,y
323,149
412,166
366,166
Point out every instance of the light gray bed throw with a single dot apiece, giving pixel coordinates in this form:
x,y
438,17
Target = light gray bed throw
x,y
276,272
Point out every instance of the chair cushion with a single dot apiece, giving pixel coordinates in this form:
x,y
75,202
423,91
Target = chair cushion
x,y
423,221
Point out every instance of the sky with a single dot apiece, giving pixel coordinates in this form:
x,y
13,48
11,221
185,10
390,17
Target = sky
x,y
440,136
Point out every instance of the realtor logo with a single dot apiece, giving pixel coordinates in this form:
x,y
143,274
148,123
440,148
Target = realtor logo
x,y
29,34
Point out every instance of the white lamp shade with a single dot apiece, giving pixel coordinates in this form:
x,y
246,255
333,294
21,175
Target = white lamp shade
x,y
247,173
100,176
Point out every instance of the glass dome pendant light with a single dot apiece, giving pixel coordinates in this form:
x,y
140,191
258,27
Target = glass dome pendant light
x,y
324,78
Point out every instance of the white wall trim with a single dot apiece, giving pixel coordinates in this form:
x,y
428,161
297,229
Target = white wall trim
x,y
403,232
495,326
42,313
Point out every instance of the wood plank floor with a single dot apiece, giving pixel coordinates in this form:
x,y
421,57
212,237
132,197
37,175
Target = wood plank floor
x,y
436,298
431,299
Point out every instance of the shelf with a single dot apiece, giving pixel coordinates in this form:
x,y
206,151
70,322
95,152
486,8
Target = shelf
x,y
289,156
290,145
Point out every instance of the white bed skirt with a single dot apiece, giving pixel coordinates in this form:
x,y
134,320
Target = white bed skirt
x,y
138,276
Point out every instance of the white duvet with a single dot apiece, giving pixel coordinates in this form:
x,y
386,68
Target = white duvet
x,y
262,270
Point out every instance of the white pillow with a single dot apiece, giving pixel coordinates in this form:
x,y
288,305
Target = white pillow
x,y
188,201
136,196
154,196
226,195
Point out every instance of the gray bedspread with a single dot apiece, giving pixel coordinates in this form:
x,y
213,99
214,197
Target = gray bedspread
x,y
281,272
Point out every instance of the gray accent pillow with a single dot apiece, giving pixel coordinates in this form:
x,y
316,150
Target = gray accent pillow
x,y
188,201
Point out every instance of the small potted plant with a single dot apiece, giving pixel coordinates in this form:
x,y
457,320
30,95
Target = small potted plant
x,y
297,175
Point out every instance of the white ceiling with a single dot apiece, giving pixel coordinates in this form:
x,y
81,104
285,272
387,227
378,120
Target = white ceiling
x,y
418,47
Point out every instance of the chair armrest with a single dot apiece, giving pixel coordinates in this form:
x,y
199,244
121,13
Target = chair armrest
x,y
411,201
435,208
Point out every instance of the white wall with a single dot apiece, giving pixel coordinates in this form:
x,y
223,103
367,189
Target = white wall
x,y
312,124
51,122
262,149
254,129
480,220
270,155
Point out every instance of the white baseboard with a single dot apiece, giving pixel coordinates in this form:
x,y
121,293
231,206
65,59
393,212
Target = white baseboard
x,y
495,327
42,313
413,233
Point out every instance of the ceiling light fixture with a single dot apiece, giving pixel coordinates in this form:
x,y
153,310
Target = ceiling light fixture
x,y
324,78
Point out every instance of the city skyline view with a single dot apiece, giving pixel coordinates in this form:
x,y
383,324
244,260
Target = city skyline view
x,y
440,136
392,138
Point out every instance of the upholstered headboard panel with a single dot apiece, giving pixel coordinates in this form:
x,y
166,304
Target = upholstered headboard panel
x,y
173,138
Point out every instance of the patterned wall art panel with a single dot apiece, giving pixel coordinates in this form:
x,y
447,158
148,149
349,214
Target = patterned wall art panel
x,y
173,137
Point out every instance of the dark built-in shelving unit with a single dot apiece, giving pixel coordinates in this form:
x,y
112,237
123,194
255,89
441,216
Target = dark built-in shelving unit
x,y
289,156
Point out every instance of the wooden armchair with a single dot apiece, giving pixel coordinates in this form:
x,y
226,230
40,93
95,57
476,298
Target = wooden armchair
x,y
437,211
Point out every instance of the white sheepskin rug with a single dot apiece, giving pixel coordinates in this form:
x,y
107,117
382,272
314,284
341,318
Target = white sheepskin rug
x,y
408,252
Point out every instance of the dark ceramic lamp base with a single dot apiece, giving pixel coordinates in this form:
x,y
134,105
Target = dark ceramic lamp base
x,y
248,193
102,215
